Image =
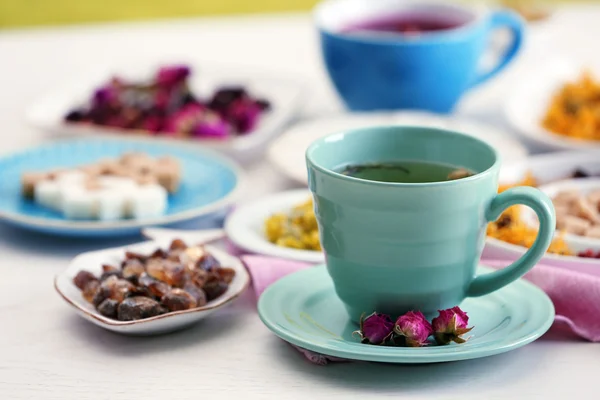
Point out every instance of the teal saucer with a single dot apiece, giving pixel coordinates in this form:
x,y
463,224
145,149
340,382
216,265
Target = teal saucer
x,y
303,309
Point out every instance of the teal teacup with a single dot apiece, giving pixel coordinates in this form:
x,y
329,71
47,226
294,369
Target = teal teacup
x,y
395,247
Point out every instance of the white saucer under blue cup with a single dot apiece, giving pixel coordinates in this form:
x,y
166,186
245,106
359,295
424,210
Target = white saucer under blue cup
x,y
303,309
208,185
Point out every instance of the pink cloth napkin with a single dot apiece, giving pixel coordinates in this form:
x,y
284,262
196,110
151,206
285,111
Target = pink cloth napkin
x,y
575,294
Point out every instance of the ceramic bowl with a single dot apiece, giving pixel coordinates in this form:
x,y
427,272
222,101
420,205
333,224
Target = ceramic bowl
x,y
245,226
164,323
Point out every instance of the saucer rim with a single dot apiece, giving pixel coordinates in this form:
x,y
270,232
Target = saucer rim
x,y
409,355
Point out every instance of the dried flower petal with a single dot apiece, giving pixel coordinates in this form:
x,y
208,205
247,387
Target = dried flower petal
x,y
244,114
171,75
450,325
414,327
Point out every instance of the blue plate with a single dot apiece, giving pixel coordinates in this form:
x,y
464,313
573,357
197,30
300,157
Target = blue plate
x,y
303,309
209,183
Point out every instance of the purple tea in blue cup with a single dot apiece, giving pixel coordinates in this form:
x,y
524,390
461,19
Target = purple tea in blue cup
x,y
403,54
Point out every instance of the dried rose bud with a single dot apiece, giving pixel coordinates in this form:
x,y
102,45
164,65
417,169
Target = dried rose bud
x,y
153,123
449,325
375,329
83,278
185,119
171,75
414,328
105,95
211,125
244,114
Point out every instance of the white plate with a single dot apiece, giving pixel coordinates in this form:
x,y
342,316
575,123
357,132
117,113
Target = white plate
x,y
287,151
245,226
545,168
284,92
526,106
93,261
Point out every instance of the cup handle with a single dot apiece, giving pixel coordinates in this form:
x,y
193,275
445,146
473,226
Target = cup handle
x,y
514,22
542,205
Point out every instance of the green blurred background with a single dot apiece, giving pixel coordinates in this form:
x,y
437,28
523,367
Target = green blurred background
x,y
21,13
24,13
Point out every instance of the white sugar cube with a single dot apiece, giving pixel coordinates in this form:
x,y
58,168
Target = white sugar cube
x,y
48,194
78,203
111,204
148,201
117,182
71,177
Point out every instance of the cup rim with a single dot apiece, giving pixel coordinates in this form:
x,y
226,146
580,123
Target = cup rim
x,y
476,10
478,176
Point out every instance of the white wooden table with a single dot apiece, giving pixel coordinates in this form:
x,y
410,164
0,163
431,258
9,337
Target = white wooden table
x,y
47,352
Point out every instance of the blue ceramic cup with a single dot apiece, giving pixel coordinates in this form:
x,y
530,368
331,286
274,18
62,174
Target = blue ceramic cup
x,y
428,71
395,247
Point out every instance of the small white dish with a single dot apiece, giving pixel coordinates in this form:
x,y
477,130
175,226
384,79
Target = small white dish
x,y
245,226
92,262
285,94
526,106
546,168
286,153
